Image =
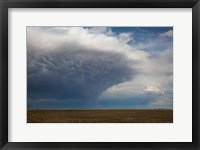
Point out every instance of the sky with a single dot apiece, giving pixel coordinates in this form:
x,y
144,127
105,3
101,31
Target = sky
x,y
99,67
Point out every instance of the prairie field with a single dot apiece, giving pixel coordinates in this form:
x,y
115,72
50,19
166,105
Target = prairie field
x,y
100,116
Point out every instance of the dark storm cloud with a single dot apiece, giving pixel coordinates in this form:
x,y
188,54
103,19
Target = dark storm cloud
x,y
65,74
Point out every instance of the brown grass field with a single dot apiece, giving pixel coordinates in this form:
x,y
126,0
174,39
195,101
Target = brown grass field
x,y
100,116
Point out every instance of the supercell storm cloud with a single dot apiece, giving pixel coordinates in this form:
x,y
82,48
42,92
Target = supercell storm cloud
x,y
75,74
98,67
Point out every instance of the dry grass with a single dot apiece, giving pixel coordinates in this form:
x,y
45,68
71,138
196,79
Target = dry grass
x,y
100,116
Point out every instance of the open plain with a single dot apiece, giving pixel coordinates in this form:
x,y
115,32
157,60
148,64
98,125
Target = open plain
x,y
101,116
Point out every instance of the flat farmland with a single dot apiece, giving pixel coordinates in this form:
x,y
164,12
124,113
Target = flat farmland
x,y
100,116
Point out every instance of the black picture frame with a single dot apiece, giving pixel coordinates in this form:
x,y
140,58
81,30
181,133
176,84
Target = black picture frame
x,y
6,4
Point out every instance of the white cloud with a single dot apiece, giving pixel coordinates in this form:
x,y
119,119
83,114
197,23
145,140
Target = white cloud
x,y
152,89
126,37
159,43
168,34
78,37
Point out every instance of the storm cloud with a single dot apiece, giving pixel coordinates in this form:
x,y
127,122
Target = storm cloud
x,y
92,67
66,74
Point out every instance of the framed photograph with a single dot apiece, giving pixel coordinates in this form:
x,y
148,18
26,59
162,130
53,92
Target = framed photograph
x,y
99,74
